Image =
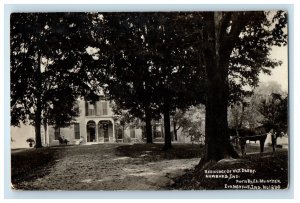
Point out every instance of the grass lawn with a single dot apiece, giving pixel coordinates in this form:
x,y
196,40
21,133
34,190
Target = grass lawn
x,y
154,152
31,164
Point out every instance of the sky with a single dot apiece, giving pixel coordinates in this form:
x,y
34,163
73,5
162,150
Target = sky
x,y
280,73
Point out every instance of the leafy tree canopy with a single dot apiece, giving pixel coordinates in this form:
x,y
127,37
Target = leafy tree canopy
x,y
46,73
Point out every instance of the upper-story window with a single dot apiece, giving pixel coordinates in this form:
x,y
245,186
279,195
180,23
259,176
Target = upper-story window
x,y
91,109
98,108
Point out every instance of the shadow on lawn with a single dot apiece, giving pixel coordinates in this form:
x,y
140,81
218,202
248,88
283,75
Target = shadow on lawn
x,y
31,164
154,152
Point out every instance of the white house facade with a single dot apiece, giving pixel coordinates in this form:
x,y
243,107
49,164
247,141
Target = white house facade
x,y
95,124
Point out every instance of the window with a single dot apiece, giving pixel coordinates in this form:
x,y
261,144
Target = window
x,y
104,107
132,133
76,130
91,109
56,133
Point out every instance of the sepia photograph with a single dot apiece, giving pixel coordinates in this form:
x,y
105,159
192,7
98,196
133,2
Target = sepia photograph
x,y
149,101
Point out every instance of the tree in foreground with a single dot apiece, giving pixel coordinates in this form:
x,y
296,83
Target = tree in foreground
x,y
235,48
123,67
46,78
179,81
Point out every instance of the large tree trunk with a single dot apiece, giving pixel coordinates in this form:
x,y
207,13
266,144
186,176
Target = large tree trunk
x,y
168,137
217,140
148,126
38,112
37,126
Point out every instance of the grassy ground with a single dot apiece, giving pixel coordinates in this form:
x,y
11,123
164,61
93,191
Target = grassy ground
x,y
137,166
269,171
97,167
154,152
31,164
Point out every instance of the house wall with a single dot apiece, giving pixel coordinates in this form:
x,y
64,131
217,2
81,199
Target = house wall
x,y
83,118
19,135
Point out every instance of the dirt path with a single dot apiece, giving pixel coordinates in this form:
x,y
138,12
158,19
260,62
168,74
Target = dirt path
x,y
96,167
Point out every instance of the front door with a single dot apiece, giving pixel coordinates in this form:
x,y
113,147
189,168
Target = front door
x,y
92,135
91,131
105,132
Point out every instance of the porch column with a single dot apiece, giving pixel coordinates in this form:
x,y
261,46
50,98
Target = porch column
x,y
96,131
113,130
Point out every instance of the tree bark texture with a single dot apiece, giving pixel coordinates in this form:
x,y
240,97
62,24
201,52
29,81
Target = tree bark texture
x,y
216,58
38,111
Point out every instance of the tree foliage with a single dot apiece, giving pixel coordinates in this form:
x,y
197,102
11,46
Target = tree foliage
x,y
46,77
149,60
246,114
190,122
148,63
275,112
235,49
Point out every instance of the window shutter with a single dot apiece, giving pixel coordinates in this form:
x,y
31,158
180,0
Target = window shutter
x,y
101,108
104,105
77,130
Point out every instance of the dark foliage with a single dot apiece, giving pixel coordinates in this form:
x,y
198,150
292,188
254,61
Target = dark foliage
x,y
148,64
46,74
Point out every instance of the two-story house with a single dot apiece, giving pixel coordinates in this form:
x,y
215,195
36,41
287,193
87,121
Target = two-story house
x,y
96,123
